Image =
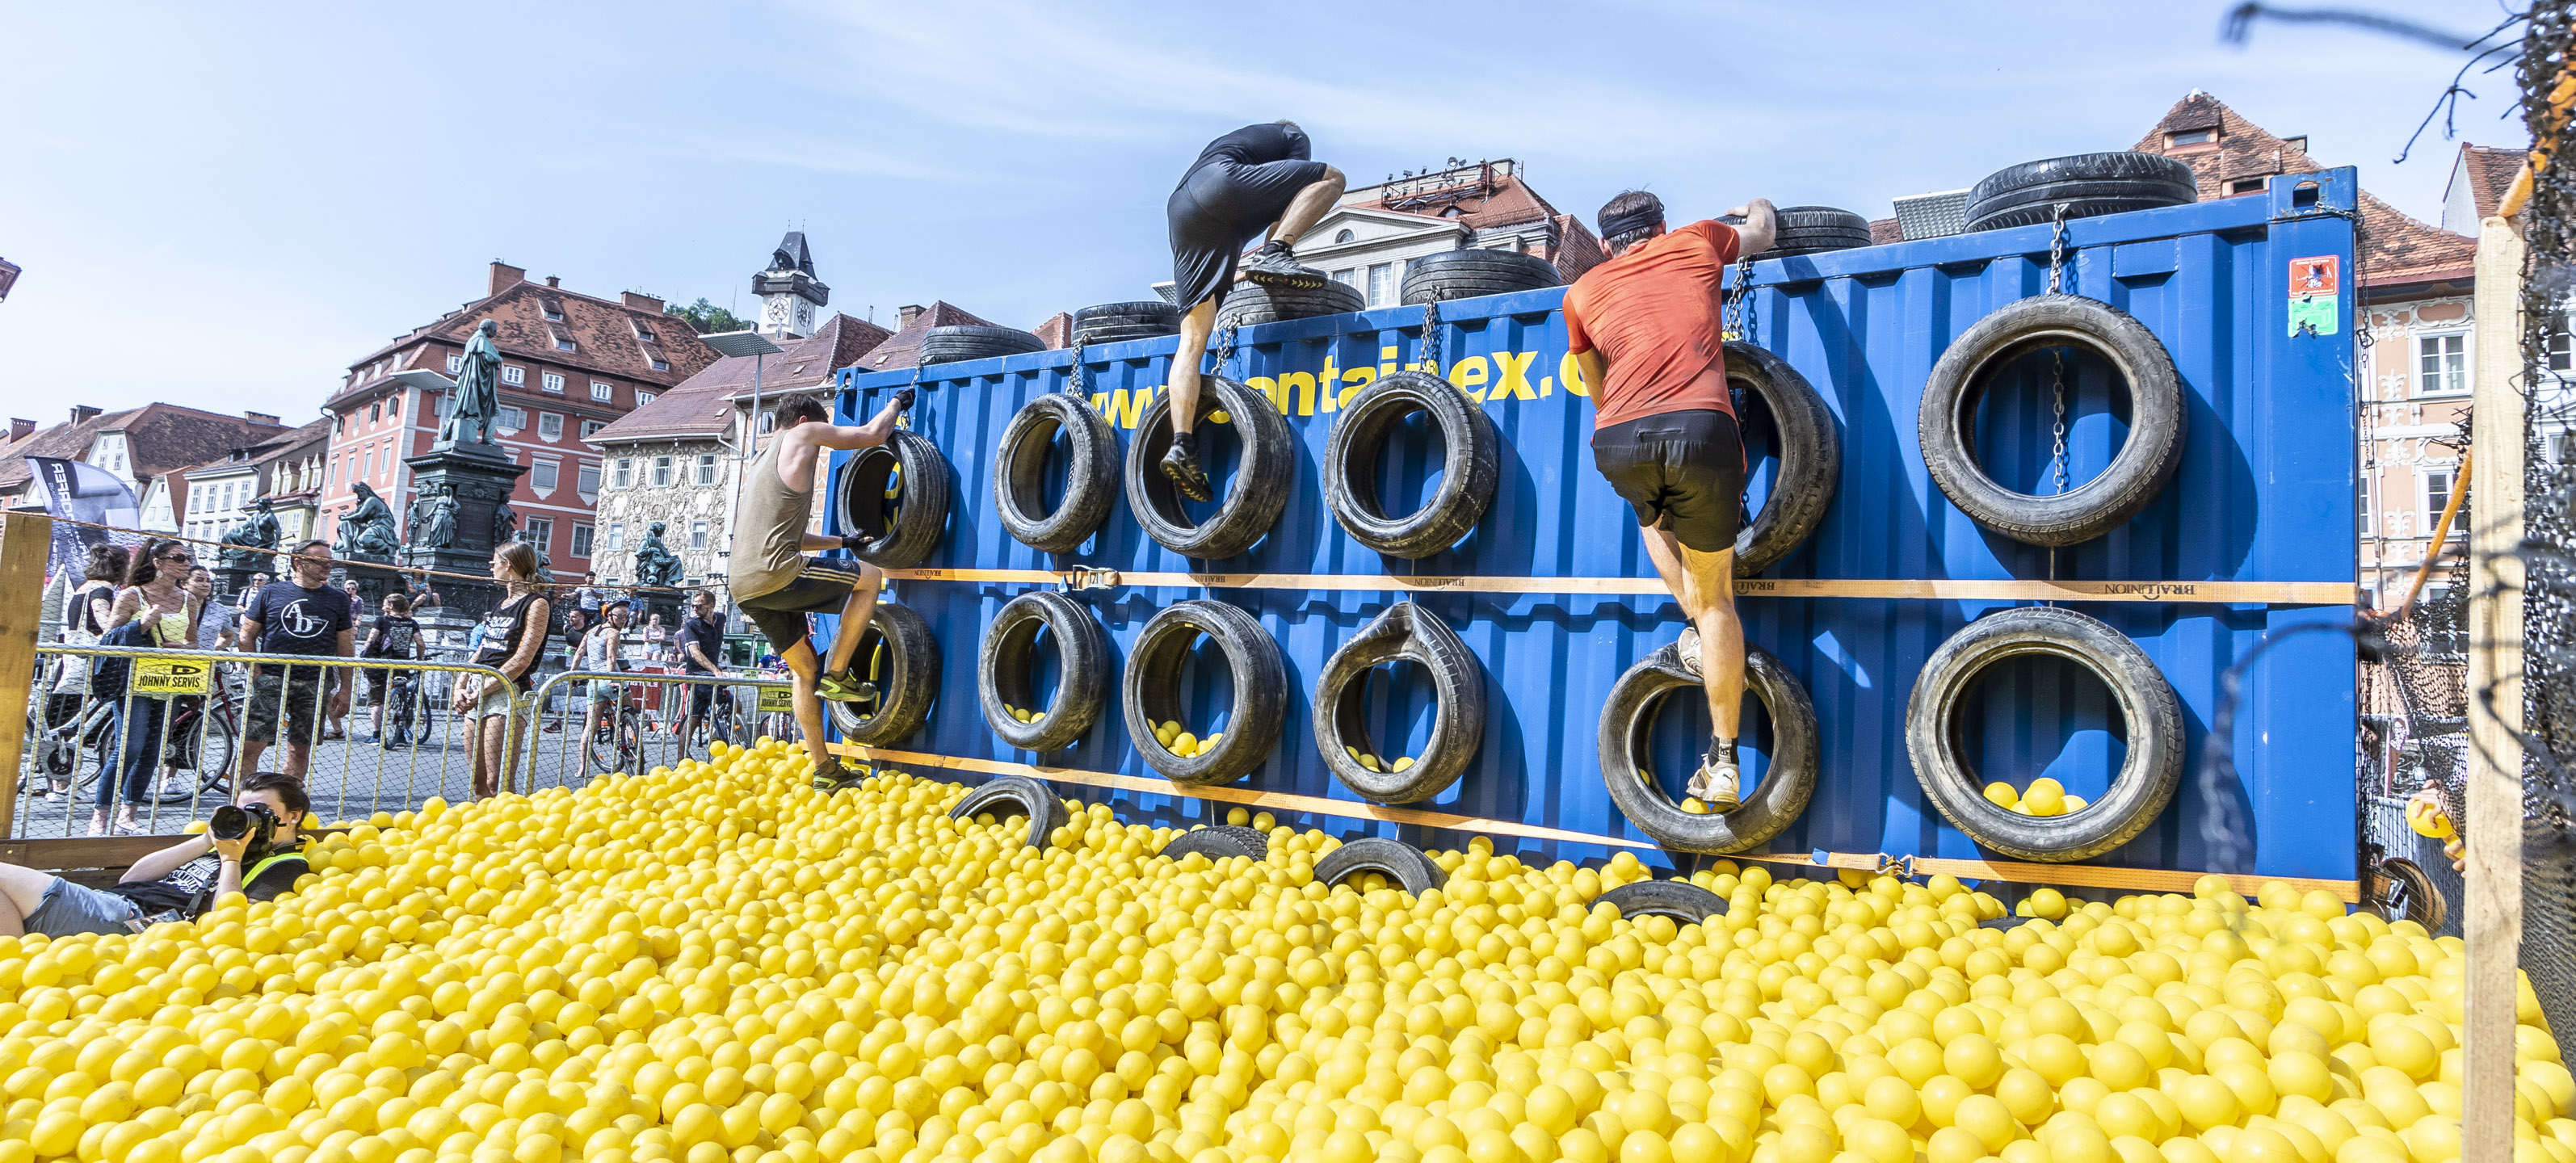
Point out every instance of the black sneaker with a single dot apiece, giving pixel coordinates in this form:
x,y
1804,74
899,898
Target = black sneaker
x,y
838,778
1274,265
1182,465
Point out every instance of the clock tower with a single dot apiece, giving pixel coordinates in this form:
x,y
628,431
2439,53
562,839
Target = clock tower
x,y
791,298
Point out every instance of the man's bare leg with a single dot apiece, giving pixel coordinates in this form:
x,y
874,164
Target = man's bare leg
x,y
854,617
1703,585
1181,463
1308,207
802,669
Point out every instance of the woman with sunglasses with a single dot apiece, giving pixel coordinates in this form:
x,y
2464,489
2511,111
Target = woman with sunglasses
x,y
163,612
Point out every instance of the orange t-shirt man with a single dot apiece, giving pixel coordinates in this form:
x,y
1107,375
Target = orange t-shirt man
x,y
1653,312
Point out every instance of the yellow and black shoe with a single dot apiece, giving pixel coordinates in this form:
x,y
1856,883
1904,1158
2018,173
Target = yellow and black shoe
x,y
1274,265
846,687
838,778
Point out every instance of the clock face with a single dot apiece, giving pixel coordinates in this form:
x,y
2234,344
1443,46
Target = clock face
x,y
776,312
804,314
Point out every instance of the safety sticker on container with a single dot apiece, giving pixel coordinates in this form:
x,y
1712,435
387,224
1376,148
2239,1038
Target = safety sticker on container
x,y
776,698
2316,301
171,676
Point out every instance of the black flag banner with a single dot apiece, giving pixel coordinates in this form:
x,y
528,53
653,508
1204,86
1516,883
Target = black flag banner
x,y
79,491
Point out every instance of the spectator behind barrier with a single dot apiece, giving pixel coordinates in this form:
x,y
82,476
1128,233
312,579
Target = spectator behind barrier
x,y
178,883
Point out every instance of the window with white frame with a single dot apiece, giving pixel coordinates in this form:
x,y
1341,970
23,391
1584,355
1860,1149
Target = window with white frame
x,y
552,382
616,536
1380,277
455,364
2367,524
697,535
590,428
661,472
586,479
550,425
512,418
581,541
2442,364
543,474
602,391
1347,276
706,468
513,375
625,476
2437,494
542,531
643,398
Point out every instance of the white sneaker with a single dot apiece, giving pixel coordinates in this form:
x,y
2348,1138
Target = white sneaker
x,y
1688,646
1718,784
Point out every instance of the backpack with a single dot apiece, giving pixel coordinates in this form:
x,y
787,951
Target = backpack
x,y
109,674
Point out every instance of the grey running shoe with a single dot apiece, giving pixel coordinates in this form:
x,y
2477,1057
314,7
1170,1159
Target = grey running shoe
x,y
1274,265
1182,465
1718,784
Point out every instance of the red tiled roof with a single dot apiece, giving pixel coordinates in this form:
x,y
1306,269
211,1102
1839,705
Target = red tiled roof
x,y
159,438
271,447
1510,203
1577,250
608,336
702,405
904,350
2396,249
2489,170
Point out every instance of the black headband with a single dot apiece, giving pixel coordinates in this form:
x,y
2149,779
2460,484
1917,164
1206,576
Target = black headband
x,y
1612,226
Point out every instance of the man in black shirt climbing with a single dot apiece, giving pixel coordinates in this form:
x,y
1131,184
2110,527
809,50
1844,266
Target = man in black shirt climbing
x,y
1254,179
176,883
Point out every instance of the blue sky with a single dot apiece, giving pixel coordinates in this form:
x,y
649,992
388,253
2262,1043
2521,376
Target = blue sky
x,y
224,206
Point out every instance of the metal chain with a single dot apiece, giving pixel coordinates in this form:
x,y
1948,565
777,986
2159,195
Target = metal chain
x,y
2057,250
1740,314
1073,379
1224,348
2057,391
1431,330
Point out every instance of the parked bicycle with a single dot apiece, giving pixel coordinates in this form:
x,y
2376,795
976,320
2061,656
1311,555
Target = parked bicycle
x,y
203,735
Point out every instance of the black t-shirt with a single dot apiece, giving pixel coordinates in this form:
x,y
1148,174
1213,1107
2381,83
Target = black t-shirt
x,y
1253,145
296,620
76,613
707,634
394,637
502,629
179,889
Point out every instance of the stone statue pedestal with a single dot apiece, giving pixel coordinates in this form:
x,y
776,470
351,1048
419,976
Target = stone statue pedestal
x,y
375,579
230,581
480,479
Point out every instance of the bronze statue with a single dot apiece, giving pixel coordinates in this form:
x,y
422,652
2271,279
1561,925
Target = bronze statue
x,y
655,564
433,520
367,532
250,544
477,398
505,523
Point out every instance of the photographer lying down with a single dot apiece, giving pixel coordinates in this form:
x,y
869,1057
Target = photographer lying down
x,y
250,848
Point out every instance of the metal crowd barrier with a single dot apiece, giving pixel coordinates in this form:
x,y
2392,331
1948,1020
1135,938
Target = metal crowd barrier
x,y
193,710
632,721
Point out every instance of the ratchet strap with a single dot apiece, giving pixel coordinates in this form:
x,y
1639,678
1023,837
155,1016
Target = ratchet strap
x,y
2222,592
2078,875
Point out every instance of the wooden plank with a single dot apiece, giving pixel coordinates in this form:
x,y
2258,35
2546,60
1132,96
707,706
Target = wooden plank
x,y
111,852
2132,879
26,544
2219,592
2494,825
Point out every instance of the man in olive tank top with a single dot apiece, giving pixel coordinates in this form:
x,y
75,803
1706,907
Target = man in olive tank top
x,y
777,585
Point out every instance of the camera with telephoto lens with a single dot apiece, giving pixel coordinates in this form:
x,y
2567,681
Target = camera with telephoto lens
x,y
255,821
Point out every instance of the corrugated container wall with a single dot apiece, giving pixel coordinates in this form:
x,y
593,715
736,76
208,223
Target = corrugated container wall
x,y
2264,493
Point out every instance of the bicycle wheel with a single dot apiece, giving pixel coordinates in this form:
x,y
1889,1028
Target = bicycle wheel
x,y
219,745
599,747
630,739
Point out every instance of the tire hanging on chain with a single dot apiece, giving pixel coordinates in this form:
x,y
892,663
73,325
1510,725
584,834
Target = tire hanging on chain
x,y
1252,501
1469,469
1810,449
896,495
1090,474
1009,656
1627,766
1150,690
903,662
1405,631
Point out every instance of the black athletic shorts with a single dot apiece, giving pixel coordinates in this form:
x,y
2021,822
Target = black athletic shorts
x,y
1682,471
822,587
1217,212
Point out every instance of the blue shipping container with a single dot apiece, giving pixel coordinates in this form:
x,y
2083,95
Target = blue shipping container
x,y
2264,493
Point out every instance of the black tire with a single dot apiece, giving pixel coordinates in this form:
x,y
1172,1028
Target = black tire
x,y
1466,274
1253,838
1003,665
2402,892
2138,793
1149,690
1117,322
2089,184
1091,485
1209,842
1471,465
1034,799
1687,904
2004,922
1811,457
1393,859
976,341
2146,460
1814,229
902,529
1627,721
1247,304
905,667
1262,476
1410,632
